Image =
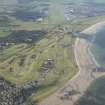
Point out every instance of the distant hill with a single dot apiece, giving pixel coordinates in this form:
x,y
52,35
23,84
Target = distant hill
x,y
24,1
8,2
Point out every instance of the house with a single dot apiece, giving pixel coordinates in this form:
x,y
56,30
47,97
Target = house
x,y
39,20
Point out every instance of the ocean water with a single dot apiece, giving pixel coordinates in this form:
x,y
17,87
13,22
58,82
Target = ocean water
x,y
98,47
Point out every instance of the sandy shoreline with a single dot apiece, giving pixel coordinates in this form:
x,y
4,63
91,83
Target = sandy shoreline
x,y
94,28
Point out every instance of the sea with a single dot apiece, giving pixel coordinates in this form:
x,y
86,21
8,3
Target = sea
x,y
98,47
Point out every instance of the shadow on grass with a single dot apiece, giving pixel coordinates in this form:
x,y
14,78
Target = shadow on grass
x,y
23,36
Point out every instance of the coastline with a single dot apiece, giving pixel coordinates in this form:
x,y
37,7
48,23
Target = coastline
x,y
86,62
94,29
93,57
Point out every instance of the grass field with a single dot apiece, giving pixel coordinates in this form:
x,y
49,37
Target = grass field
x,y
21,63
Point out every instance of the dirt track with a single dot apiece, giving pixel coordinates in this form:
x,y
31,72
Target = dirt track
x,y
81,81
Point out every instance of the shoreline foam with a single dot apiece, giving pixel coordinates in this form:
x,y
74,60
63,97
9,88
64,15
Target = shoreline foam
x,y
94,29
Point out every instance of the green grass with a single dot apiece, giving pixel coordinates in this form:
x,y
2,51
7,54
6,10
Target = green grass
x,y
61,53
30,25
81,24
4,34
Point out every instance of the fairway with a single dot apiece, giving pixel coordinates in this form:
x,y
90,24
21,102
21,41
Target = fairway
x,y
27,56
39,51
